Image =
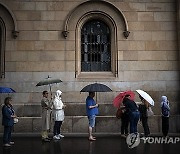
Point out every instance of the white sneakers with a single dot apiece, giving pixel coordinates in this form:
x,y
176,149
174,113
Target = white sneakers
x,y
58,137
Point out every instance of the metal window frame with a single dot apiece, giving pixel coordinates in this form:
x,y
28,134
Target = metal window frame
x,y
95,52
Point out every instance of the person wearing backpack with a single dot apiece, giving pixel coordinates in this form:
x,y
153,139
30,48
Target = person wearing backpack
x,y
165,111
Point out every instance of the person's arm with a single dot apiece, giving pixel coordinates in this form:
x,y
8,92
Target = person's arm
x,y
167,106
93,106
90,104
6,113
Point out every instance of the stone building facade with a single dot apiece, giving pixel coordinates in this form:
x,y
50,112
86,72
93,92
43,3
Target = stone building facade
x,y
49,37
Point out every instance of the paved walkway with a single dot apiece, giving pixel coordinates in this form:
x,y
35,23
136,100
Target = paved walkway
x,y
81,145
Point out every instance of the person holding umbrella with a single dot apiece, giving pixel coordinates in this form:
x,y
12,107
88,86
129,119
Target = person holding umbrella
x,y
92,111
46,116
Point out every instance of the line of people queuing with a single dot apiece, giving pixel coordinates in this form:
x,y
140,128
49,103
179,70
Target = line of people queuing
x,y
132,114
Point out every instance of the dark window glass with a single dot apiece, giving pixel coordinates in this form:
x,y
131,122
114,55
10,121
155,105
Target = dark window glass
x,y
95,47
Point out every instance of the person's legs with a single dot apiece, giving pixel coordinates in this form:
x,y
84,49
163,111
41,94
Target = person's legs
x,y
123,124
5,135
165,125
9,134
145,126
126,124
59,127
136,119
91,126
55,129
131,119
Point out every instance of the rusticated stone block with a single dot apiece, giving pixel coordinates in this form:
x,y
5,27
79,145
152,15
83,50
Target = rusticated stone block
x,y
67,124
80,124
108,124
24,125
36,124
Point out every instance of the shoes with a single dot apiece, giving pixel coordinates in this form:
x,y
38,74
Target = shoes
x,y
56,137
123,135
11,143
60,135
92,139
6,145
46,140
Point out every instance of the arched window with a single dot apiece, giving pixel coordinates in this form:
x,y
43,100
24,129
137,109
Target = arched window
x,y
2,48
95,47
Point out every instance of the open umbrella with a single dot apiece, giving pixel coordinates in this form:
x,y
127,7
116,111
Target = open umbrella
x,y
6,90
146,96
49,82
96,87
119,98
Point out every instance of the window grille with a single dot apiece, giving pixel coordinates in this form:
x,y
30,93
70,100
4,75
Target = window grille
x,y
95,47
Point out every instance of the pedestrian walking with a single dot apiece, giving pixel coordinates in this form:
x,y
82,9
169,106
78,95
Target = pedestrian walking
x,y
8,115
165,111
58,111
92,111
46,105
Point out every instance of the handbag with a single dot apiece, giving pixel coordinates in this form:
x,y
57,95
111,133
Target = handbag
x,y
16,120
119,113
150,112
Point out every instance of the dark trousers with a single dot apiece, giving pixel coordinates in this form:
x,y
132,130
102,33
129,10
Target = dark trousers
x,y
165,125
134,118
145,126
57,127
124,123
7,134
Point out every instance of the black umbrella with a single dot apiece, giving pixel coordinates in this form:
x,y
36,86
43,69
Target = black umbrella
x,y
48,82
96,87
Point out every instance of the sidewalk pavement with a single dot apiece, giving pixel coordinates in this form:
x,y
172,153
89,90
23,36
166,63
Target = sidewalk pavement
x,y
105,144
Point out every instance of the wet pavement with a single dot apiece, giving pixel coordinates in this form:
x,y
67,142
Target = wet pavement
x,y
81,145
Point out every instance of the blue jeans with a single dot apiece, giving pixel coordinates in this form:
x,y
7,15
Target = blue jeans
x,y
134,118
7,134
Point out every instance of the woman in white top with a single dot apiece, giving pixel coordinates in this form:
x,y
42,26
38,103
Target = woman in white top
x,y
58,111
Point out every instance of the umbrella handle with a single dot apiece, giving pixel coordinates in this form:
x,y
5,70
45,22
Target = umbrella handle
x,y
50,90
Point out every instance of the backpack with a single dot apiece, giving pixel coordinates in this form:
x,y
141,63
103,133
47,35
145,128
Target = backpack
x,y
165,111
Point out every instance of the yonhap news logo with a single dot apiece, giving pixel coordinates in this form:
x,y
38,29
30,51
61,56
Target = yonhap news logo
x,y
133,140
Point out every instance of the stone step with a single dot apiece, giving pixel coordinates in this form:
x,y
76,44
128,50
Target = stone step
x,y
104,124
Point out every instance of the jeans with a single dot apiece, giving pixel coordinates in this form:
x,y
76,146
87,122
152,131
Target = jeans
x,y
134,118
57,127
7,134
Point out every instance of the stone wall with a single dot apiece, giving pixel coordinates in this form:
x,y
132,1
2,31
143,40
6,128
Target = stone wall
x,y
148,59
